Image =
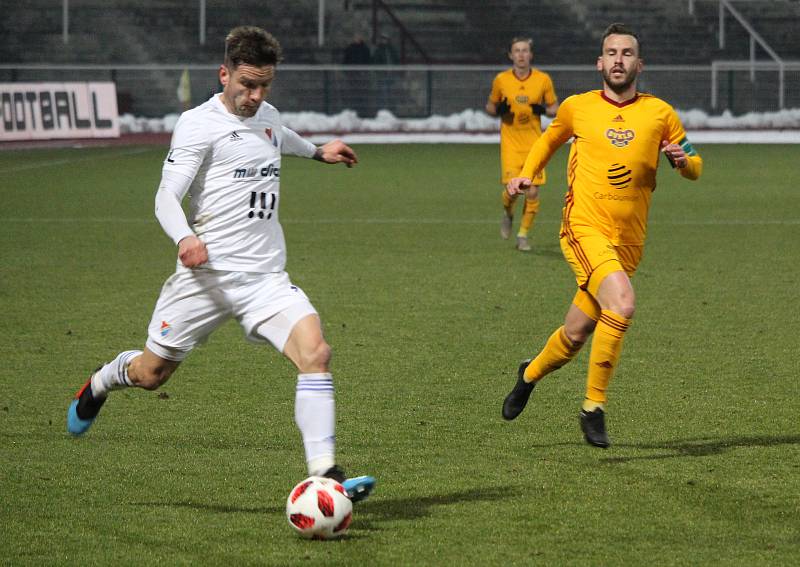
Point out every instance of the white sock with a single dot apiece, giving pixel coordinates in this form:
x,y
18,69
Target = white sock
x,y
113,375
315,415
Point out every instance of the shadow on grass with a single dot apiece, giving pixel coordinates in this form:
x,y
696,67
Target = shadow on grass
x,y
370,512
214,508
701,447
547,251
413,507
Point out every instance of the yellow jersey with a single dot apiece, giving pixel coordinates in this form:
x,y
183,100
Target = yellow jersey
x,y
611,172
537,88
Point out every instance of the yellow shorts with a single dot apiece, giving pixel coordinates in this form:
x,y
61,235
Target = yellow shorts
x,y
592,256
511,163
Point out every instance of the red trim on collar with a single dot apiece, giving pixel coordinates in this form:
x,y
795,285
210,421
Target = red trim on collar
x,y
530,74
619,104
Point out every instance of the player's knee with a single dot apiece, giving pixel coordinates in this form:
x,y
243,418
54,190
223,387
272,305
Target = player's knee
x,y
316,358
625,306
578,334
628,310
623,303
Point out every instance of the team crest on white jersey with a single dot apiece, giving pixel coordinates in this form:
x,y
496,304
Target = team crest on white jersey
x,y
274,138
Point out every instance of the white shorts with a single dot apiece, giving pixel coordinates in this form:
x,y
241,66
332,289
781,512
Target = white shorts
x,y
195,302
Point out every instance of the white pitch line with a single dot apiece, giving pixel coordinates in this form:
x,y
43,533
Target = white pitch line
x,y
706,222
724,222
56,162
100,220
542,221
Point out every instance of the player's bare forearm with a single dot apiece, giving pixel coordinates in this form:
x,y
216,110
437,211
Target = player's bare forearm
x,y
336,151
491,108
192,252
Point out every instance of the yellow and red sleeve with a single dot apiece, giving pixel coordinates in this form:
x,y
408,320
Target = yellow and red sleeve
x,y
677,135
557,133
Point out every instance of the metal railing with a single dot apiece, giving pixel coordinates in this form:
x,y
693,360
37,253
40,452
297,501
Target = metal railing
x,y
405,34
755,38
751,67
423,90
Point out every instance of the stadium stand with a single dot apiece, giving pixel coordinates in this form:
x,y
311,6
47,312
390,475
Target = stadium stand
x,y
456,31
777,21
450,31
120,32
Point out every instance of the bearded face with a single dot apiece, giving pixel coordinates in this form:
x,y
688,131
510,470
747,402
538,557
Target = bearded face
x,y
619,63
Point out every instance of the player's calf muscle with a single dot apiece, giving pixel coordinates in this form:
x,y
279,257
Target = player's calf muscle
x,y
150,377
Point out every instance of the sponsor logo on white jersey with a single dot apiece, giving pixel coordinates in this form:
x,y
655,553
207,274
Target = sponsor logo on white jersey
x,y
250,172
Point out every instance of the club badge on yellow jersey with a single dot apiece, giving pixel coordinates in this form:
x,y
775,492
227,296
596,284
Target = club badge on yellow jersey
x,y
620,138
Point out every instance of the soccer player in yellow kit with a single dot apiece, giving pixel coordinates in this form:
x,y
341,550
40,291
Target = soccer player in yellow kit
x,y
520,96
618,135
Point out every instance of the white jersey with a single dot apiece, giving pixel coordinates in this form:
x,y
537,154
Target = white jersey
x,y
235,167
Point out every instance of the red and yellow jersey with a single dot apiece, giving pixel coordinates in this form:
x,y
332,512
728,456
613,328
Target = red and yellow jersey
x,y
613,160
537,88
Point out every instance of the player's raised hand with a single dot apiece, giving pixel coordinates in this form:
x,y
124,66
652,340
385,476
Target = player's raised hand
x,y
336,151
675,154
518,185
192,252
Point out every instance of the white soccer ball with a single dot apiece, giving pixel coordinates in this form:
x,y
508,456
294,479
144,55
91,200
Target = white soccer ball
x,y
318,508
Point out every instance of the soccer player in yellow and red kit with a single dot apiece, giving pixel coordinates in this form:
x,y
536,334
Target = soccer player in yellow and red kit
x,y
618,135
520,96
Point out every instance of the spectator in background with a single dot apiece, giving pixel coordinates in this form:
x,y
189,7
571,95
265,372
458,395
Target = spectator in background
x,y
355,87
385,53
357,52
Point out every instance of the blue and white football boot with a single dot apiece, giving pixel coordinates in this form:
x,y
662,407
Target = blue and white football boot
x,y
83,410
357,488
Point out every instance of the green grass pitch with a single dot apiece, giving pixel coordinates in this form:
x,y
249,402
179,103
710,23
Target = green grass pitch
x,y
429,313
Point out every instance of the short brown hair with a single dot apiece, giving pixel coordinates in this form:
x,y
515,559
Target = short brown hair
x,y
251,45
620,29
517,39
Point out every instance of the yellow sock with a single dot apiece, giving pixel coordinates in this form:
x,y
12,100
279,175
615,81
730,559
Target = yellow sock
x,y
528,214
606,348
508,203
556,353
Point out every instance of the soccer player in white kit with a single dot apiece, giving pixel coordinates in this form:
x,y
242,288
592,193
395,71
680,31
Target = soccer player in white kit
x,y
226,153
